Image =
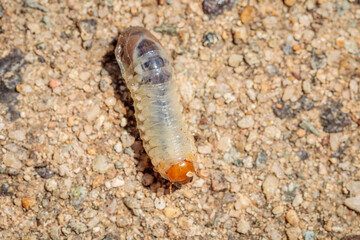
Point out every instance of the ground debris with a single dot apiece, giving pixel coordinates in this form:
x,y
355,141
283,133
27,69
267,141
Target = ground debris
x,y
333,119
286,109
216,7
10,76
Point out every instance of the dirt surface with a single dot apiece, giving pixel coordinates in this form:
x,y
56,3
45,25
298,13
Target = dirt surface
x,y
270,91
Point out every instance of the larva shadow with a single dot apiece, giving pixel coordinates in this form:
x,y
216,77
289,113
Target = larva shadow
x,y
150,179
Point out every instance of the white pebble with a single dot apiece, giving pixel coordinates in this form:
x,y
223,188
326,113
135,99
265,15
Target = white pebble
x,y
353,187
272,132
270,186
11,160
246,122
243,226
50,185
92,113
117,182
84,76
159,203
63,170
353,203
101,164
204,149
118,147
224,144
248,162
110,102
19,135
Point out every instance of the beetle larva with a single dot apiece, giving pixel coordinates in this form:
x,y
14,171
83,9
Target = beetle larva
x,y
148,74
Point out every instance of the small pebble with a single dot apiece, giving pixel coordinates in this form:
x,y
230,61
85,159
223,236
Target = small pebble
x,y
78,194
83,137
218,182
98,181
248,162
353,203
240,35
19,135
117,182
289,3
293,233
309,127
118,147
185,223
278,210
122,222
28,203
51,185
272,132
127,140
11,160
101,164
63,170
45,172
77,226
243,226
172,212
217,7
287,49
302,154
292,218
353,187
242,202
118,165
270,186
235,60
251,58
204,149
131,203
335,140
247,15
159,203
103,85
224,144
298,200
309,235
210,39
261,159
53,83
147,179
110,102
246,122
300,132
92,113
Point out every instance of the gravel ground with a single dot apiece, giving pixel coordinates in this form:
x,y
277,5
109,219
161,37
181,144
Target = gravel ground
x,y
270,91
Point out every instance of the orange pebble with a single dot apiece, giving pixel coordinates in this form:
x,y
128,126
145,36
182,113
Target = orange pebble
x,y
296,47
91,151
99,180
300,132
340,42
53,83
28,203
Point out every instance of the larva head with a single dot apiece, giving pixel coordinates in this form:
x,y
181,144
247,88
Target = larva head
x,y
133,43
182,172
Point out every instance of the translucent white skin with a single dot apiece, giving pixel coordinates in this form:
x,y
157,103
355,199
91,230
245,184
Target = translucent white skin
x,y
158,111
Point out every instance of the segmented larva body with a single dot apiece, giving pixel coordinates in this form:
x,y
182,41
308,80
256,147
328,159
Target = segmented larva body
x,y
148,74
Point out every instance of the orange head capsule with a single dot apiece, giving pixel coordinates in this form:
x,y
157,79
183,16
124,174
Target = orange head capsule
x,y
182,172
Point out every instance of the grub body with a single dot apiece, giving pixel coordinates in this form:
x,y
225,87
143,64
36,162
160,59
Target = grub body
x,y
148,74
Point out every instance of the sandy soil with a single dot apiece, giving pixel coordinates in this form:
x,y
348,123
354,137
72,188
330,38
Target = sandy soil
x,y
270,91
